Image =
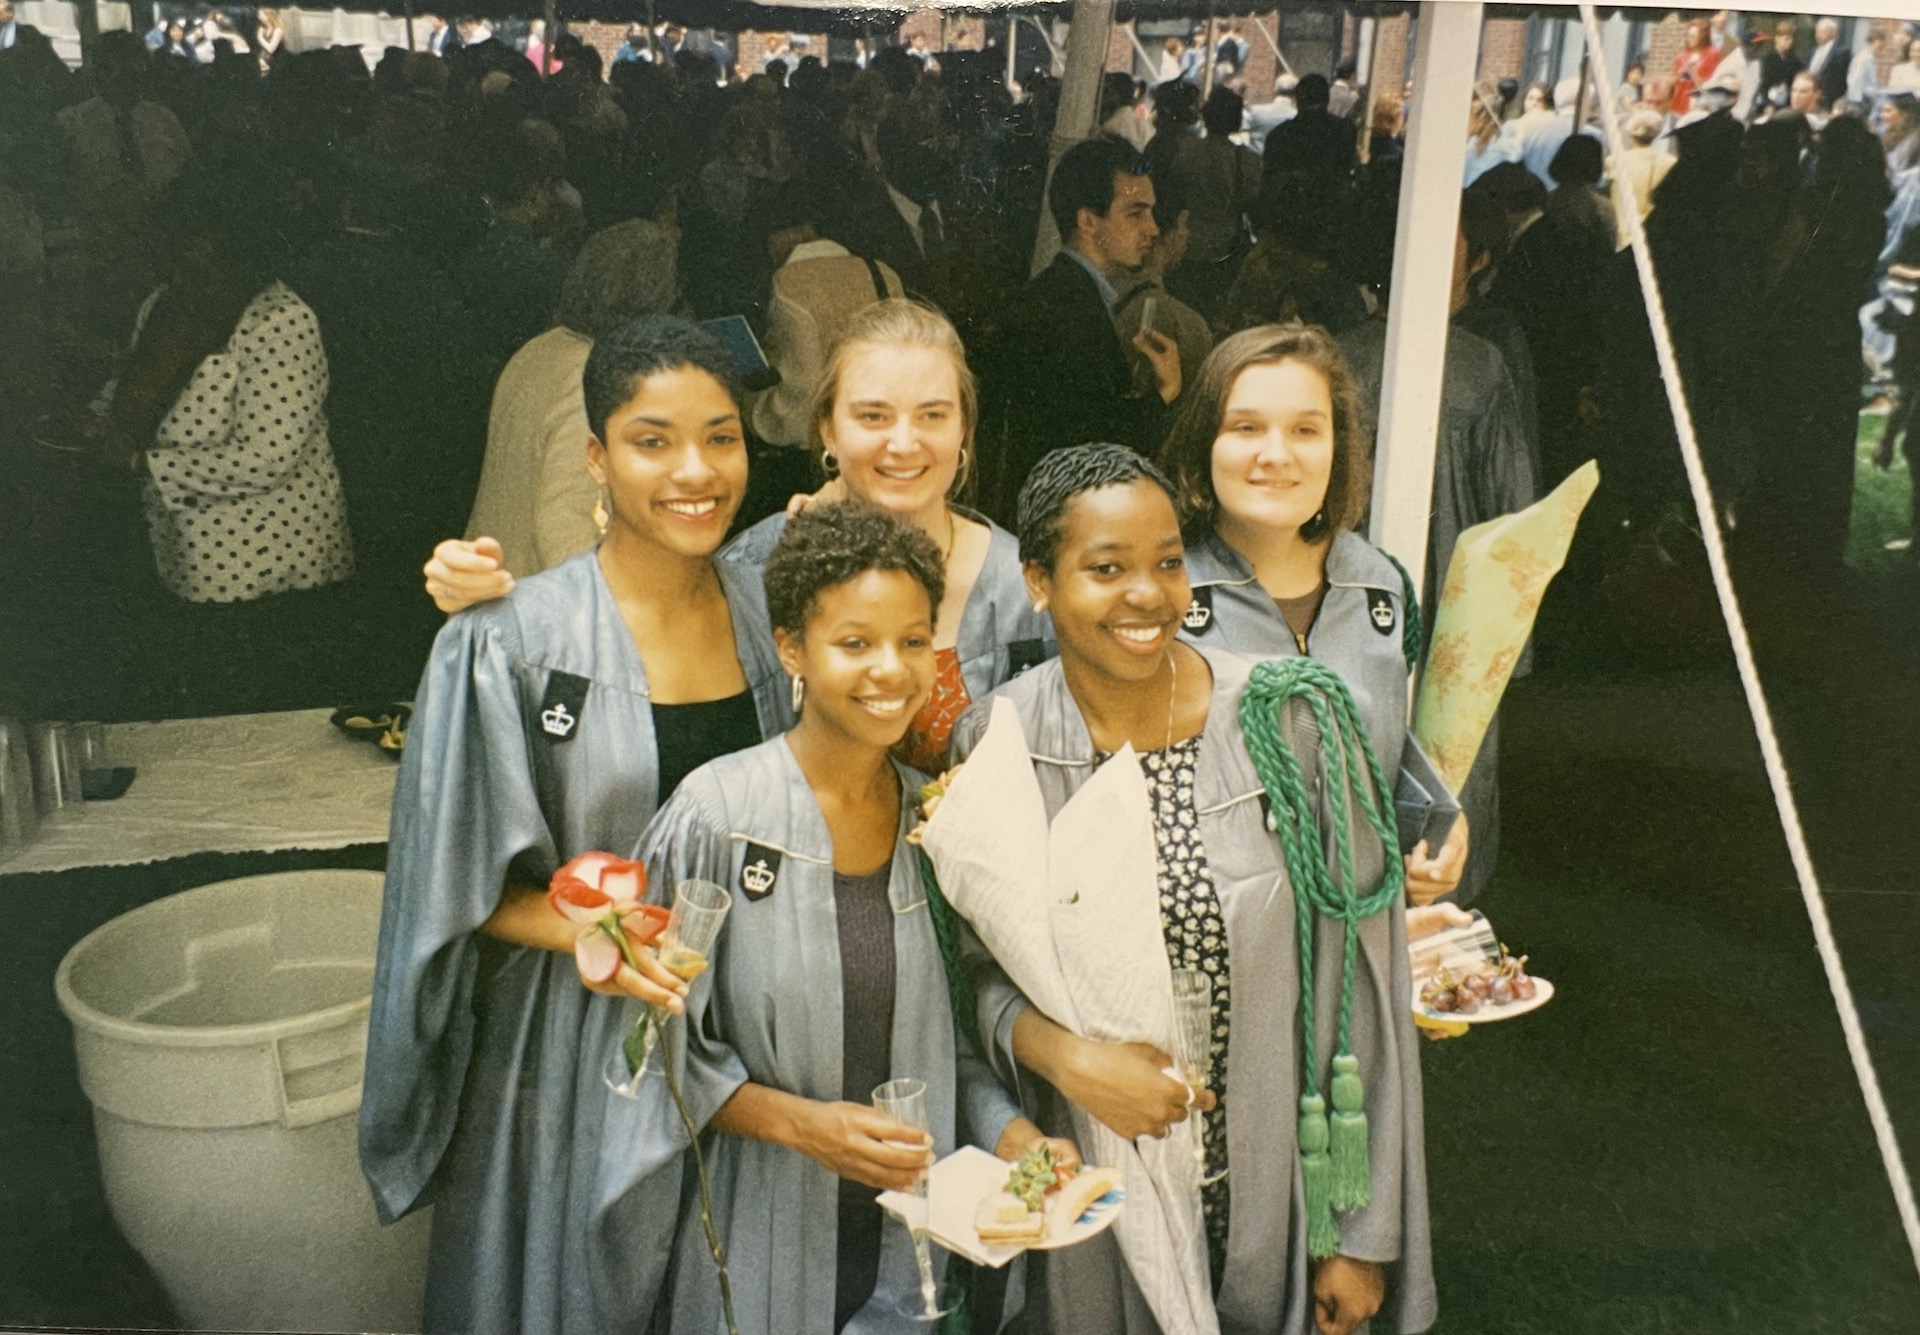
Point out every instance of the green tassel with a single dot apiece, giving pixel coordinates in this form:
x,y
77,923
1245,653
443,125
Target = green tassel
x,y
1352,1178
1316,1169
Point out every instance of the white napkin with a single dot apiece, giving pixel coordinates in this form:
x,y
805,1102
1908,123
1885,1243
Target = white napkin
x,y
1072,914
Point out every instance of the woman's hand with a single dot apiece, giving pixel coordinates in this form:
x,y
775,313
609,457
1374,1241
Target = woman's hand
x,y
864,1145
651,983
1022,1135
1127,1087
1345,1293
1425,922
1163,355
464,573
835,489
1428,877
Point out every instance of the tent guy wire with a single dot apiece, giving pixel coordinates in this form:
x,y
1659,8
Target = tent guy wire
x,y
1776,767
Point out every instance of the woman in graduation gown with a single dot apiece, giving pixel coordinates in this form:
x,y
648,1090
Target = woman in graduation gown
x,y
893,422
1269,460
1101,539
549,724
1482,468
828,978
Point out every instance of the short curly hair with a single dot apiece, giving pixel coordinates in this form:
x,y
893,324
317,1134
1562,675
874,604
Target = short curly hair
x,y
647,346
827,545
1064,474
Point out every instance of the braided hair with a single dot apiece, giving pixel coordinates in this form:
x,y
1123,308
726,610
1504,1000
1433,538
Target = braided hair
x,y
1064,474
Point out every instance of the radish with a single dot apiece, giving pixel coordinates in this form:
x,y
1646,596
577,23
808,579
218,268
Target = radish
x,y
645,924
624,882
589,867
577,901
598,957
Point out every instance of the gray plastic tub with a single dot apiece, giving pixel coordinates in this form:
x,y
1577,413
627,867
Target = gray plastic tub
x,y
221,1035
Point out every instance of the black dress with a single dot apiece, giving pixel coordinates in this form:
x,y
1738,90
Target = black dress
x,y
865,917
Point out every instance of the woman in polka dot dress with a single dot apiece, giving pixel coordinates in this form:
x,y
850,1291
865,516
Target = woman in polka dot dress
x,y
241,494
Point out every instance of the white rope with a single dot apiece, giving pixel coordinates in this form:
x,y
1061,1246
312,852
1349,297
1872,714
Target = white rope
x,y
1743,656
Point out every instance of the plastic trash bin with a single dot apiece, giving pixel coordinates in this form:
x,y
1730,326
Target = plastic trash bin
x,y
221,1035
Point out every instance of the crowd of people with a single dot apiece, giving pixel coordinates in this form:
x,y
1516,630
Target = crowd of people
x,y
319,318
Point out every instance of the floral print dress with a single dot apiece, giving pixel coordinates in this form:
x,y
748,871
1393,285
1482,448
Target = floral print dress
x,y
1196,936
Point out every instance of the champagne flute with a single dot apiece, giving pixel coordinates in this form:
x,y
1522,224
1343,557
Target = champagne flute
x,y
1193,1039
699,909
906,1101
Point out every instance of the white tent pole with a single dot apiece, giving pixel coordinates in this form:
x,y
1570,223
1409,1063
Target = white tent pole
x,y
1153,66
1280,55
1079,103
1417,318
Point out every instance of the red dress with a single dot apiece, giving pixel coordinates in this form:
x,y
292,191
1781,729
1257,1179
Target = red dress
x,y
1691,70
925,745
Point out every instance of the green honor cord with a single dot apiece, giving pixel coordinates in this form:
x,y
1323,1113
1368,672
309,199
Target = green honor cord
x,y
1333,1149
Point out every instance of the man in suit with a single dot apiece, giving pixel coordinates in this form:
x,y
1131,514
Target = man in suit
x,y
902,224
1067,377
1830,62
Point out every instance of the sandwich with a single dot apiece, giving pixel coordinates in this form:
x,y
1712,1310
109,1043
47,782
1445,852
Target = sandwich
x,y
1042,1199
1004,1218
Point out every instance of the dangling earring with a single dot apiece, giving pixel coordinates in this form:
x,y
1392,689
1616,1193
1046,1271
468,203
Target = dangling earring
x,y
602,520
799,694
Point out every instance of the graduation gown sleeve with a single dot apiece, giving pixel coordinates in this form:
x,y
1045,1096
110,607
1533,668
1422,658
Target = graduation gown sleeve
x,y
464,810
646,1171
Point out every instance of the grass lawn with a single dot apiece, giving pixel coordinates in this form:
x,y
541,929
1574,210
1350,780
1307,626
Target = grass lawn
x,y
1880,504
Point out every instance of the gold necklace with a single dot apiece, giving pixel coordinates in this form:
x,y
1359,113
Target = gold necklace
x,y
1173,691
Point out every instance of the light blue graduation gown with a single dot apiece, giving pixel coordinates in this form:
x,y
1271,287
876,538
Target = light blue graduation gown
x,y
532,741
1360,633
769,1010
1265,1289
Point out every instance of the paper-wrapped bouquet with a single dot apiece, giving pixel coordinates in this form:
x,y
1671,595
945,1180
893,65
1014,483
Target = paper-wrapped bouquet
x,y
1495,581
1071,912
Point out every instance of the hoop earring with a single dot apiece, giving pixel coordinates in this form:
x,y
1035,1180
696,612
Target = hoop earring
x,y
829,465
602,518
799,694
960,473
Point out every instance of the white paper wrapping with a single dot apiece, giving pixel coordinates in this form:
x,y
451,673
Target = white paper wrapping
x,y
1072,914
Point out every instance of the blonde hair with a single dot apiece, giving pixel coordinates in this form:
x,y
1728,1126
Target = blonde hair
x,y
898,323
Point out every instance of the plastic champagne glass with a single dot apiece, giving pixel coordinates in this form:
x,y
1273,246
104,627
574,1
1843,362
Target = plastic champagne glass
x,y
1193,1036
906,1101
684,948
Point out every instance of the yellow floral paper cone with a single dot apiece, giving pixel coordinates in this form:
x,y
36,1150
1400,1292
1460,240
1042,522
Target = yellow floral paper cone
x,y
1495,581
